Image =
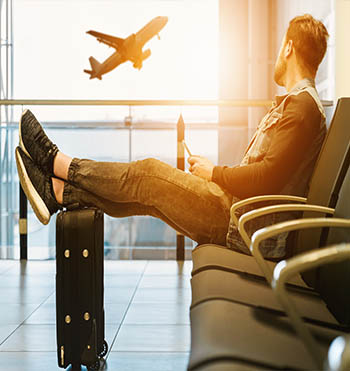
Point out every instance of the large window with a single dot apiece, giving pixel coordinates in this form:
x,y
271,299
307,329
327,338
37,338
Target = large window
x,y
51,50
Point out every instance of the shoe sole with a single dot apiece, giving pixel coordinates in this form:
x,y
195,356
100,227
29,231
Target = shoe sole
x,y
38,205
21,143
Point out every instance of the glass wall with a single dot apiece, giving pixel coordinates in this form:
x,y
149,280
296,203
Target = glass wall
x,y
8,200
50,51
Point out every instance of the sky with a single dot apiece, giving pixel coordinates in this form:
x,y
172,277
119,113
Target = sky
x,y
52,49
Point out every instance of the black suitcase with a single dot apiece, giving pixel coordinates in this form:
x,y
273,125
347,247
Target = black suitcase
x,y
79,288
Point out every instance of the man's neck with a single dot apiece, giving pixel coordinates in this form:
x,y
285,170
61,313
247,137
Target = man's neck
x,y
291,79
294,71
290,83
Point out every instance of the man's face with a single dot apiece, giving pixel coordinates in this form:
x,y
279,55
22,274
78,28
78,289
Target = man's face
x,y
281,64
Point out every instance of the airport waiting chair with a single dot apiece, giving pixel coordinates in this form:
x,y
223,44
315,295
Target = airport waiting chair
x,y
234,332
222,365
323,181
226,328
333,255
332,279
220,284
249,335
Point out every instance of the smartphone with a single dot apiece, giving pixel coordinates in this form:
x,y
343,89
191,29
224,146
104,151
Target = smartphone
x,y
186,148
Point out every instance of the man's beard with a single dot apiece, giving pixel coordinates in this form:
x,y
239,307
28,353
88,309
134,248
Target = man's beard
x,y
280,70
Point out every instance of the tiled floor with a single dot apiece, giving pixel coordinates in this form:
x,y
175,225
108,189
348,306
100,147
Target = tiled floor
x,y
147,315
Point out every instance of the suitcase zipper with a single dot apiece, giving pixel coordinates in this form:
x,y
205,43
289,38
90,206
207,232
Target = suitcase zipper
x,y
62,355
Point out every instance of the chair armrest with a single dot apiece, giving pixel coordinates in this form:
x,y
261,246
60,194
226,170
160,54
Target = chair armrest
x,y
285,269
265,198
291,225
339,354
275,209
288,268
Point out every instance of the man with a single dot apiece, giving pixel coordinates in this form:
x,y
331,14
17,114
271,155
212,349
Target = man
x,y
279,159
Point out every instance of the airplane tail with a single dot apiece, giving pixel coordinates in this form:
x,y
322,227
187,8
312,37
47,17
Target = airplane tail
x,y
95,66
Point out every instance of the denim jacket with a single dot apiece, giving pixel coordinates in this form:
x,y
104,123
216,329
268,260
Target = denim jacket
x,y
297,185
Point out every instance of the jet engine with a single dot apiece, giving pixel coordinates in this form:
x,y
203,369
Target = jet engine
x,y
144,55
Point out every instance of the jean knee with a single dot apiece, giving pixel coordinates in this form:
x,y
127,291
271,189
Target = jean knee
x,y
150,166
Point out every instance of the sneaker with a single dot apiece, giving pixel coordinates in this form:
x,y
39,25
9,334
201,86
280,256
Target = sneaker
x,y
37,186
35,143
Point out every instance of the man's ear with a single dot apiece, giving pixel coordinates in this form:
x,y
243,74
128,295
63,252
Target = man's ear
x,y
288,48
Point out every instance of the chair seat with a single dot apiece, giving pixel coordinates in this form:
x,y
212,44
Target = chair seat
x,y
217,284
226,330
211,256
231,365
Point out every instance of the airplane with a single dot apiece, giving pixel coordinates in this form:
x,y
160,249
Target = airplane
x,y
129,49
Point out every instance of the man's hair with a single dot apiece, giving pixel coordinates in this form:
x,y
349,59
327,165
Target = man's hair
x,y
309,38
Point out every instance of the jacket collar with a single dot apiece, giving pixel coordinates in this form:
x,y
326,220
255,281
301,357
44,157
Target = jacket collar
x,y
300,85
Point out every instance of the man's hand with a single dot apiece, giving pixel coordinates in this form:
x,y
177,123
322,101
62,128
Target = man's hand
x,y
201,167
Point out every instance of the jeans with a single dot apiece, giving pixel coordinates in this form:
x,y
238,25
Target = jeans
x,y
195,207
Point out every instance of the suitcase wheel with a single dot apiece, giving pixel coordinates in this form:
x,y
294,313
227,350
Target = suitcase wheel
x,y
95,366
104,349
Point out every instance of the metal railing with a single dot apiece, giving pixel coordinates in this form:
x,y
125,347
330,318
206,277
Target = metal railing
x,y
161,102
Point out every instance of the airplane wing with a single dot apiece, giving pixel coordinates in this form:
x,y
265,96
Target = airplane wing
x,y
113,41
